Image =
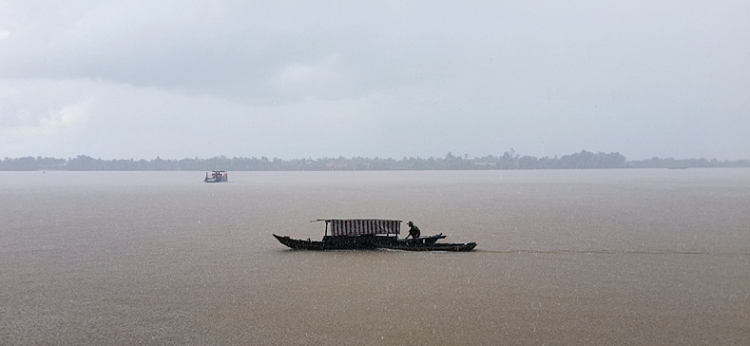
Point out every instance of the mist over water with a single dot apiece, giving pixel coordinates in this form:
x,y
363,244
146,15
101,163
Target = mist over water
x,y
639,257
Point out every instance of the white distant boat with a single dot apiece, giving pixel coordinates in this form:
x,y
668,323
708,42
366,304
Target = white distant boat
x,y
216,177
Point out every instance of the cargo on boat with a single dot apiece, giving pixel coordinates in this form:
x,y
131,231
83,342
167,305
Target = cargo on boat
x,y
362,234
216,177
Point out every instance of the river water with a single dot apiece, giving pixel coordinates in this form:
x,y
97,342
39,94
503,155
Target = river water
x,y
567,257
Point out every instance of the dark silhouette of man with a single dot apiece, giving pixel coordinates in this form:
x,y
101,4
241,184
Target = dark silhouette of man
x,y
413,231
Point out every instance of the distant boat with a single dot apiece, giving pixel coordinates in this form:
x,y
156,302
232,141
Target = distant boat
x,y
216,177
363,234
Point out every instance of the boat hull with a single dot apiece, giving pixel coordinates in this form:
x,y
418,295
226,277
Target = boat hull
x,y
337,243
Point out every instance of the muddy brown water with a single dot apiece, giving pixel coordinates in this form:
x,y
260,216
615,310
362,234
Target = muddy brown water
x,y
566,257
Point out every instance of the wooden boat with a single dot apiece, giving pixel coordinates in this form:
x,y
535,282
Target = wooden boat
x,y
455,247
362,234
308,244
422,240
216,177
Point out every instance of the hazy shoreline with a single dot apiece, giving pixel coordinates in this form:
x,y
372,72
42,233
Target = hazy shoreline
x,y
508,161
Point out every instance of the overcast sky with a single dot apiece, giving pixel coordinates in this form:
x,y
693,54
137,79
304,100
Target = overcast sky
x,y
293,79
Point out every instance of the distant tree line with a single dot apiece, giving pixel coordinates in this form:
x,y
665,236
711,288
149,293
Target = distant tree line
x,y
509,160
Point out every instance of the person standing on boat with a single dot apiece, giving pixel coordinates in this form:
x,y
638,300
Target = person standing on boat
x,y
413,231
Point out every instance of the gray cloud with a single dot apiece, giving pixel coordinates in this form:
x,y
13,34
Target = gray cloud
x,y
298,79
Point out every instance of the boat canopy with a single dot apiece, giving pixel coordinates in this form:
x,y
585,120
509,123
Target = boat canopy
x,y
362,226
